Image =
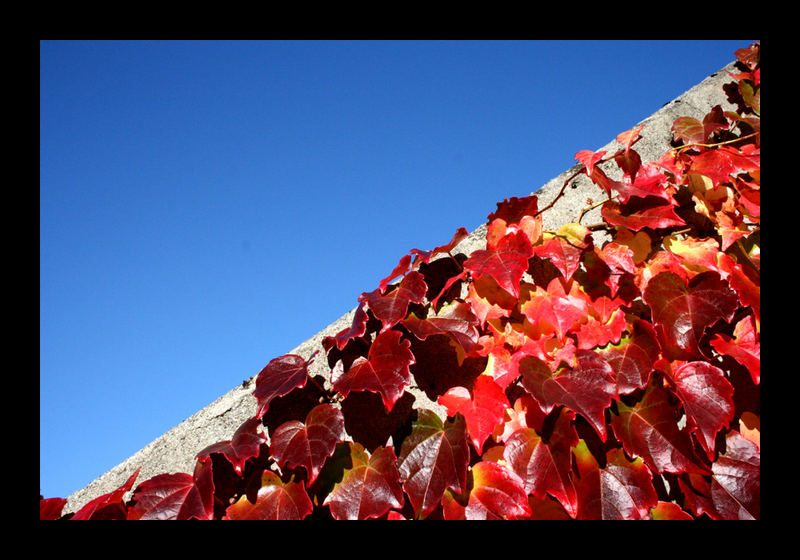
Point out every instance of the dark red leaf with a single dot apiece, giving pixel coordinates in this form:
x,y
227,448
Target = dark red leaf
x,y
384,371
281,376
622,490
176,496
308,445
513,209
369,488
108,506
358,328
275,500
51,508
707,400
650,430
744,347
392,307
587,388
633,358
506,264
425,256
433,458
244,445
736,479
402,267
565,256
455,320
497,493
682,312
545,467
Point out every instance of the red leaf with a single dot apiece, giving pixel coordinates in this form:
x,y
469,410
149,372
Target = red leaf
x,y
622,490
682,312
689,129
433,458
589,158
650,430
506,264
108,506
513,209
497,493
483,411
384,371
176,496
310,444
744,347
280,376
392,307
275,500
51,508
638,214
358,328
736,479
545,467
649,182
565,256
633,358
587,389
369,488
244,445
707,400
555,307
401,268
667,511
455,320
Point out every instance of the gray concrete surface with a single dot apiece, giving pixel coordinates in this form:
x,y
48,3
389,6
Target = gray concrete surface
x,y
175,450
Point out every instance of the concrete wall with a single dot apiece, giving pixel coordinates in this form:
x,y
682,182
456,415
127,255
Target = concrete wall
x,y
175,450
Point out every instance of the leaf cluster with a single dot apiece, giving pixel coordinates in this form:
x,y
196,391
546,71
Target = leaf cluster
x,y
581,379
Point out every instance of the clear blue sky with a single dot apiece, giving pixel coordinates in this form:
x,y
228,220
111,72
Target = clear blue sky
x,y
208,206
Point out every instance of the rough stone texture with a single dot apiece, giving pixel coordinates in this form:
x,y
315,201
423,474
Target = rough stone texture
x,y
175,450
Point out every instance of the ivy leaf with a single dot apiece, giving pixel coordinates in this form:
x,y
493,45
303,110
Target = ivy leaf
x,y
425,256
744,347
384,371
589,158
356,329
244,445
370,488
588,388
667,511
279,377
177,496
555,307
275,500
564,255
308,445
483,411
650,181
633,358
392,307
506,264
707,400
497,493
689,130
402,267
455,320
545,467
108,506
433,458
734,490
650,212
622,490
682,312
51,508
650,430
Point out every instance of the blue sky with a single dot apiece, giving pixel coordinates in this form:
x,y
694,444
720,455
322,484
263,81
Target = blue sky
x,y
208,206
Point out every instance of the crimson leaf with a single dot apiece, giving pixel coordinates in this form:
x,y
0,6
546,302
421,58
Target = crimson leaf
x,y
545,467
176,496
506,264
588,388
384,371
497,493
392,307
279,377
433,458
650,430
275,500
244,445
633,358
310,444
108,506
622,490
682,312
483,411
369,488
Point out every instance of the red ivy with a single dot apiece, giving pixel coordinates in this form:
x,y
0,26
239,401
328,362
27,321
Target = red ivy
x,y
633,367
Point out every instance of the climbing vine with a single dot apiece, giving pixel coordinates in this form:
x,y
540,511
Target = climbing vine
x,y
581,379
